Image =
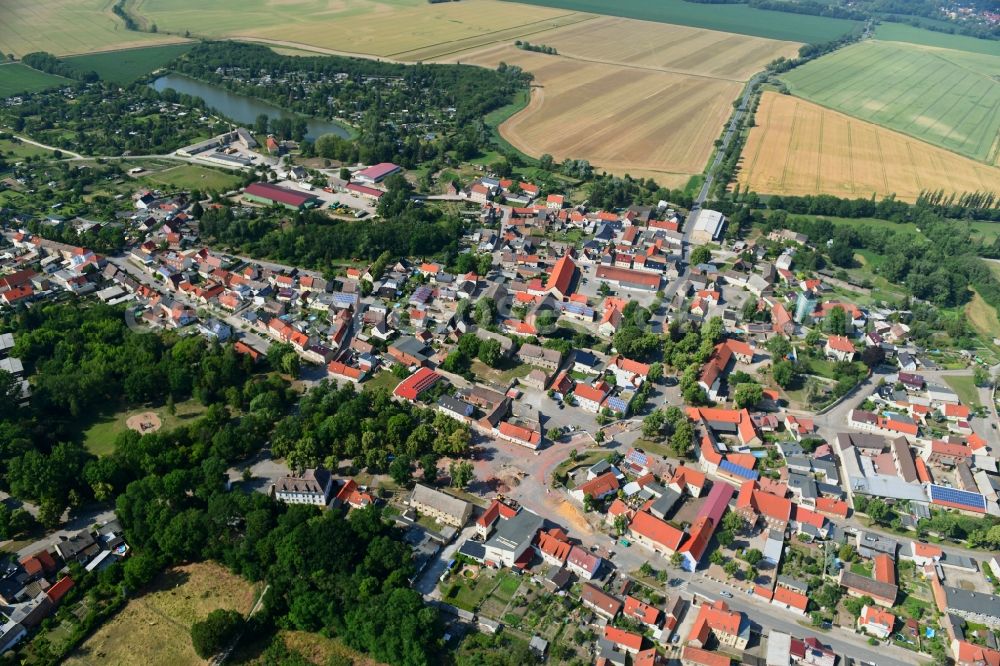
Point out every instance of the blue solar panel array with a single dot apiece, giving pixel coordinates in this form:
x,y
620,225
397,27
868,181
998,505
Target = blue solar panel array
x,y
637,457
733,468
956,496
618,405
578,308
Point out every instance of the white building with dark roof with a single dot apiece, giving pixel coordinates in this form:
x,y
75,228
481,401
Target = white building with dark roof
x,y
312,487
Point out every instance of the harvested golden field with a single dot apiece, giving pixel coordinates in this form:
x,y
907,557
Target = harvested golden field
x,y
399,29
798,147
622,119
65,27
671,48
155,628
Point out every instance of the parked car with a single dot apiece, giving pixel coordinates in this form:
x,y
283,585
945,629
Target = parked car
x,y
728,595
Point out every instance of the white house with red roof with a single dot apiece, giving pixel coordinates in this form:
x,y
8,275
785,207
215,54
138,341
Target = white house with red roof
x,y
840,348
627,371
876,621
583,563
641,612
590,398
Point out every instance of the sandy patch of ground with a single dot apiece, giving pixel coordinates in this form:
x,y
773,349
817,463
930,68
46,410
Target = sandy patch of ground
x,y
144,423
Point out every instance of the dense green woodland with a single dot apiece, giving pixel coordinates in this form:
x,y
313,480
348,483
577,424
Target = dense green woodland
x,y
103,119
405,113
326,572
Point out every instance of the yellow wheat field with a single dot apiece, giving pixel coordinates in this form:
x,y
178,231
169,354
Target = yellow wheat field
x,y
798,147
673,48
622,119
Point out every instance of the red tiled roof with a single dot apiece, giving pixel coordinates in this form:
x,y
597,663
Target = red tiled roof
x,y
876,616
344,370
708,451
552,546
644,278
780,317
598,598
951,450
641,611
772,506
562,275
926,550
885,569
687,476
783,595
421,380
840,343
497,509
520,433
622,637
969,653
59,590
628,365
695,655
578,557
832,506
589,393
648,657
923,474
716,617
599,486
656,530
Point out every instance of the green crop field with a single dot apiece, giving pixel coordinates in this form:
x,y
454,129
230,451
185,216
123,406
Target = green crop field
x,y
16,78
900,32
740,19
944,97
127,66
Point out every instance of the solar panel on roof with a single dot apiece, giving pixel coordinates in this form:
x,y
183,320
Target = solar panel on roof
x,y
956,496
637,457
733,468
618,404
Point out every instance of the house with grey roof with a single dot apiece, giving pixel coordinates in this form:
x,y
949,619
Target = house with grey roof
x,y
440,506
313,486
512,539
977,607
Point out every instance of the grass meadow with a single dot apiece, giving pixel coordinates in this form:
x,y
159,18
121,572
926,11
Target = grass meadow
x,y
950,99
124,67
100,437
155,628
192,177
16,79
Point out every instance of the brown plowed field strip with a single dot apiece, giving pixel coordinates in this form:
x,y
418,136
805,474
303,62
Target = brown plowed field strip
x,y
798,147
